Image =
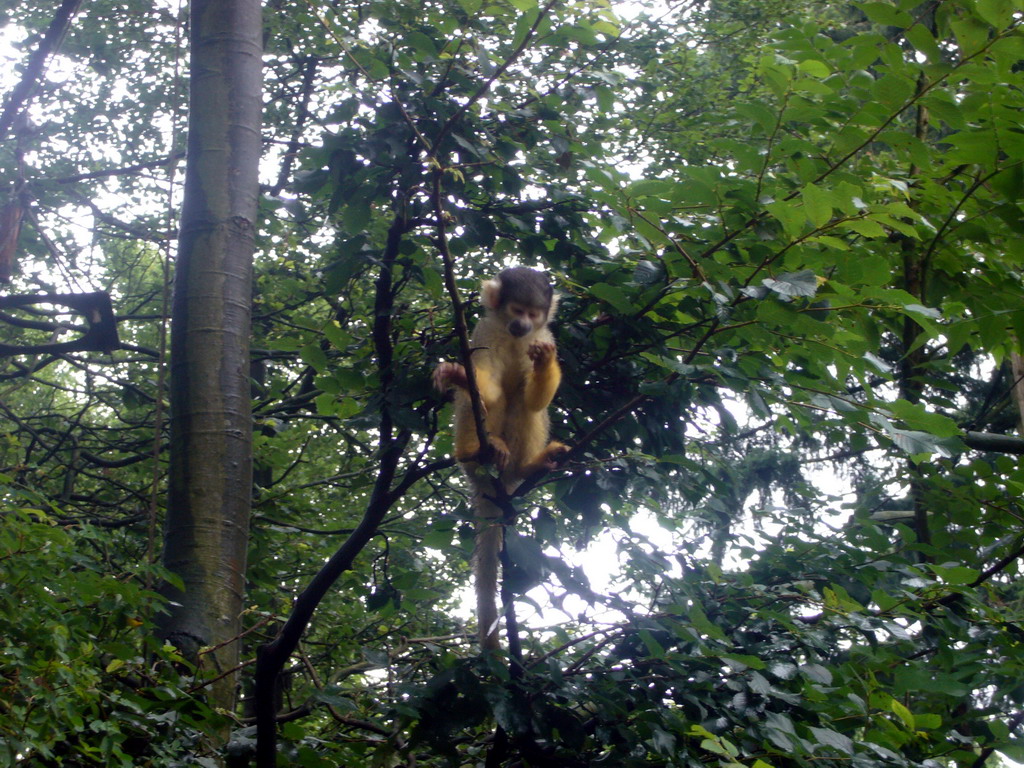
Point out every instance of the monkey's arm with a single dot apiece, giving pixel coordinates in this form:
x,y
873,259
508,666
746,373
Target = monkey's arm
x,y
467,443
448,375
545,377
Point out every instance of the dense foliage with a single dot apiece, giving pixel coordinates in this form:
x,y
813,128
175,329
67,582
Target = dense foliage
x,y
787,237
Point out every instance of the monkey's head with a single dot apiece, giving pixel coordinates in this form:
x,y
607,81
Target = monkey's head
x,y
522,297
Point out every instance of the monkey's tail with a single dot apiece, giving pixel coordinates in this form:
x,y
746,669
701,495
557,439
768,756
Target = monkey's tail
x,y
490,535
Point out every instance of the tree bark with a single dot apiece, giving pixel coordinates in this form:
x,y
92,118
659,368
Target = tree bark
x,y
207,526
987,441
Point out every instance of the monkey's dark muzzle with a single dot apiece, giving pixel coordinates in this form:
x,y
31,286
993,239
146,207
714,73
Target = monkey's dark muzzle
x,y
518,328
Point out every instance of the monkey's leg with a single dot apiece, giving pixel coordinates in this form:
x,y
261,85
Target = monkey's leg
x,y
492,397
467,446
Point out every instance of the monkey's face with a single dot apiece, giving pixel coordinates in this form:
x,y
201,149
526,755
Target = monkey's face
x,y
524,319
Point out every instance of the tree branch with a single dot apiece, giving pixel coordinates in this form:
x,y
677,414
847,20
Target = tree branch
x,y
271,658
22,92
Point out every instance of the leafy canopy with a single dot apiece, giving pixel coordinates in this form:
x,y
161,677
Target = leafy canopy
x,y
787,237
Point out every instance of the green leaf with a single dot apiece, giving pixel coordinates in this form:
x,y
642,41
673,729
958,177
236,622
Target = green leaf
x,y
422,44
802,283
817,673
339,338
978,147
818,205
614,296
917,443
833,739
885,601
663,741
327,383
661,188
829,242
956,575
654,649
765,118
326,404
702,624
374,68
792,217
882,365
875,269
314,357
998,13
865,227
438,539
530,564
886,14
651,233
712,745
945,108
921,38
915,415
744,659
814,68
971,34
902,712
525,23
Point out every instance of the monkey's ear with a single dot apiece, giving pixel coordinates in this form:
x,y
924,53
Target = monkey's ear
x,y
554,307
490,294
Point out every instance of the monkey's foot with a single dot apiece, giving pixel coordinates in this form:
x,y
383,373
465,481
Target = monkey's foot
x,y
500,453
541,353
550,459
547,460
448,375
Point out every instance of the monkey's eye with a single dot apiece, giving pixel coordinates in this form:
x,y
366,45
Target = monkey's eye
x,y
534,315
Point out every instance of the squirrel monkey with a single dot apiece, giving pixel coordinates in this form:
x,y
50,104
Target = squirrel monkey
x,y
517,373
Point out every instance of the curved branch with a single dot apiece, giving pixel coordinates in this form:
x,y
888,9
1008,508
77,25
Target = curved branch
x,y
271,658
36,64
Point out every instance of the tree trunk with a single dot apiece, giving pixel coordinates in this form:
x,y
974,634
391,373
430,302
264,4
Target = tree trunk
x,y
207,525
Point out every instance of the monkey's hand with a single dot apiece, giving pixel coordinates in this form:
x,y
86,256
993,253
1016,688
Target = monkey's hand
x,y
448,375
542,353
